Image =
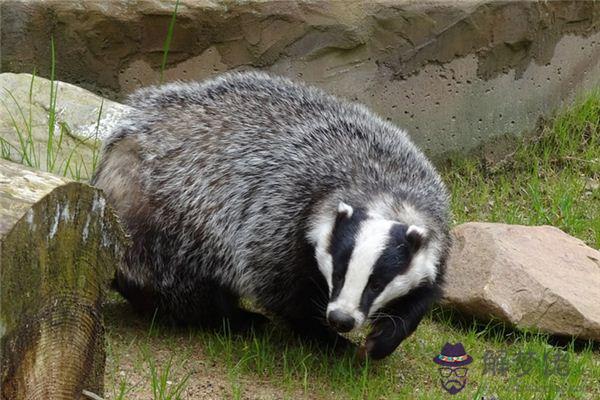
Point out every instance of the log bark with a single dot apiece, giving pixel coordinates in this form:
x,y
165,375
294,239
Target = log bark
x,y
59,247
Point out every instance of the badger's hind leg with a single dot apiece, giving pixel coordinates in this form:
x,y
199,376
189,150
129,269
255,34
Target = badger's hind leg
x,y
215,306
209,305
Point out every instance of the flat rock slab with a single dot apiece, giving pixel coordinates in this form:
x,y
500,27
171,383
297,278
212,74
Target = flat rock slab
x,y
531,277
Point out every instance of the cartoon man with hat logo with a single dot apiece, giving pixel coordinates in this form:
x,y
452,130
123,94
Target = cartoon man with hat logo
x,y
453,371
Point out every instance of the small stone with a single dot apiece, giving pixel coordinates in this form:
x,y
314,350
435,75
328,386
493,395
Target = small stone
x,y
592,185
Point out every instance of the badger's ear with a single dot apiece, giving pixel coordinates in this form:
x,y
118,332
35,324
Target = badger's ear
x,y
416,237
345,210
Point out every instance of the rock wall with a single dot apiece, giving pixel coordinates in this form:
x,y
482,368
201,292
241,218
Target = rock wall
x,y
455,74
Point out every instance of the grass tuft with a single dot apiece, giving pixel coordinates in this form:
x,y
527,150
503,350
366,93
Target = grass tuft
x,y
168,39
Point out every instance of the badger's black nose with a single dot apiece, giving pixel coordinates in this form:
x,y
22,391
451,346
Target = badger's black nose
x,y
340,321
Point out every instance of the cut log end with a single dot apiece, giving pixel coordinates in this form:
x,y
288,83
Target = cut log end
x,y
59,247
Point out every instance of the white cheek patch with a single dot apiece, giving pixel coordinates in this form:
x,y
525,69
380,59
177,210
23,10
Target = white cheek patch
x,y
422,268
319,236
325,263
370,243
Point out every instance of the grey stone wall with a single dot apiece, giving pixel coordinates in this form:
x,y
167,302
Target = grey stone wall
x,y
455,74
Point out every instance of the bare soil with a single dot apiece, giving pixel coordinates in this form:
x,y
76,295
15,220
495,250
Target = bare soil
x,y
132,340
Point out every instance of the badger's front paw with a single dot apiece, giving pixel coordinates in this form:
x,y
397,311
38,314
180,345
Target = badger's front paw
x,y
320,335
386,334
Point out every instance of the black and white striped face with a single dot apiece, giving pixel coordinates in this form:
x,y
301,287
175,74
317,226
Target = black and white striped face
x,y
369,261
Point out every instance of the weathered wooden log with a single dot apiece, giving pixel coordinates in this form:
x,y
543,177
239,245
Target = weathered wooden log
x,y
59,246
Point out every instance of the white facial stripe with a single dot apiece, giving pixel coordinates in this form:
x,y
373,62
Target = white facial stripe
x,y
370,243
422,268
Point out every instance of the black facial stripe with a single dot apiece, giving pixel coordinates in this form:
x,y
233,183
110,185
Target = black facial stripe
x,y
393,261
341,246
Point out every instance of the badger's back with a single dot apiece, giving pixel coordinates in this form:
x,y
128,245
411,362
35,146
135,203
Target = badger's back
x,y
220,178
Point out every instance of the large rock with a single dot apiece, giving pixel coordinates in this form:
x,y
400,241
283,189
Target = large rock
x,y
454,73
81,120
531,277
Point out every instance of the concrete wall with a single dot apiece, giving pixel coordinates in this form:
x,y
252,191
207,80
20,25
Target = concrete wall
x,y
455,74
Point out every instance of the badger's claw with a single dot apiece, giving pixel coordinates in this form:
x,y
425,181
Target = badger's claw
x,y
400,321
384,338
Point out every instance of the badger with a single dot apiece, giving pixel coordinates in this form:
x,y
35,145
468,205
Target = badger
x,y
253,186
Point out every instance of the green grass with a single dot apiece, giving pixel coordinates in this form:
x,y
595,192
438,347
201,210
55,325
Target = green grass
x,y
292,369
167,44
410,372
160,378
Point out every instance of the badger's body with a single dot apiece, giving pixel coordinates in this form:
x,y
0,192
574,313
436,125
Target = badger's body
x,y
250,185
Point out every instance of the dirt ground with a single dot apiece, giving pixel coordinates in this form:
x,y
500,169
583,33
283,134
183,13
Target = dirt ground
x,y
134,344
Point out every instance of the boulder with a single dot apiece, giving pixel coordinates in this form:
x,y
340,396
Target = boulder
x,y
455,73
531,277
81,119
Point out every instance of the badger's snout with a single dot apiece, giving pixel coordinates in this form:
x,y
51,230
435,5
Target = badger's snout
x,y
341,321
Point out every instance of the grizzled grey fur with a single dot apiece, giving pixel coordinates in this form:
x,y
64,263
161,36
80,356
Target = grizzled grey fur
x,y
219,182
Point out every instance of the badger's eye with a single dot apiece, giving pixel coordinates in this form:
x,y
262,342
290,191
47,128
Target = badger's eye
x,y
337,275
375,286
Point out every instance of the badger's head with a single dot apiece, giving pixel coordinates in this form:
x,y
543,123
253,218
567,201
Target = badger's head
x,y
369,262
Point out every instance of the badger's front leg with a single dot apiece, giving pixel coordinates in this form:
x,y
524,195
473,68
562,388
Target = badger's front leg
x,y
398,320
303,308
